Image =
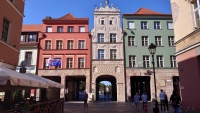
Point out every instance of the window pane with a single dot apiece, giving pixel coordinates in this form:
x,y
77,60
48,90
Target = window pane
x,y
81,29
49,29
131,25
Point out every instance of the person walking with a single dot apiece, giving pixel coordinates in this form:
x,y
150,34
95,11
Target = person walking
x,y
66,94
162,99
175,101
166,102
136,100
85,99
144,99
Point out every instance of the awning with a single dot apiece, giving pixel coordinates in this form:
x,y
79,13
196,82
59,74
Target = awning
x,y
49,82
13,79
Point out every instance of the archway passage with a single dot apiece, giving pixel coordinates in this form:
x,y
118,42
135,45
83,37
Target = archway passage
x,y
140,84
113,86
75,86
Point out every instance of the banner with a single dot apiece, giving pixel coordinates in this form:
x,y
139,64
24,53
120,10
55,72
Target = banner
x,y
53,62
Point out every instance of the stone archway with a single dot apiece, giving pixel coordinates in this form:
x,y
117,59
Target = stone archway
x,y
113,82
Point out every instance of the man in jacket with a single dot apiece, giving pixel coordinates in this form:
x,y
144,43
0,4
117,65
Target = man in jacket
x,y
162,99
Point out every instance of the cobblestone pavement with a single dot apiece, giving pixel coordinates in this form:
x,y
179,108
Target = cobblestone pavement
x,y
108,107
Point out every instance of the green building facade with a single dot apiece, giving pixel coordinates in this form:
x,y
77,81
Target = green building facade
x,y
140,30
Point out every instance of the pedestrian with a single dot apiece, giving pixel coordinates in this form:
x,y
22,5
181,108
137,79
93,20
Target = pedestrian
x,y
162,99
136,100
166,102
144,99
104,94
85,99
175,101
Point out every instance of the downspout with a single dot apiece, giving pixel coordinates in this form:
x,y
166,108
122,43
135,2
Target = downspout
x,y
124,62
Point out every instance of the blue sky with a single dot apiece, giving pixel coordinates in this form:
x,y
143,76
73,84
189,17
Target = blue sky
x,y
36,10
106,82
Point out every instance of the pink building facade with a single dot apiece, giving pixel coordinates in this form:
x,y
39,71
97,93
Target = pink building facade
x,y
67,40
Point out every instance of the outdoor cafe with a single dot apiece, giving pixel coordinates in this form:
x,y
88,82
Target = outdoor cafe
x,y
13,84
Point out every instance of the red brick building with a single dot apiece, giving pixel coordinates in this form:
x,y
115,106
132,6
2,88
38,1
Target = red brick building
x,y
11,16
67,40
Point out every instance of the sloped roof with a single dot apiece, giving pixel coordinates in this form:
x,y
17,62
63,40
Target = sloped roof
x,y
32,27
68,16
146,12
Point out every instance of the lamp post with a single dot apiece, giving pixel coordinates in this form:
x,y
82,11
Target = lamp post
x,y
152,51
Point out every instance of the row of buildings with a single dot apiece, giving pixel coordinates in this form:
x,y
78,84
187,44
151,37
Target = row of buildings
x,y
108,52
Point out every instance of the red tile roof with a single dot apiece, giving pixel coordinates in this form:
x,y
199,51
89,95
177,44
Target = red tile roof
x,y
32,27
146,12
68,16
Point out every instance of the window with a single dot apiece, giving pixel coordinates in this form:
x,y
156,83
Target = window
x,y
5,29
132,61
28,58
131,25
81,44
171,40
82,29
102,22
100,37
60,29
48,44
110,22
59,44
157,25
81,62
22,39
158,40
144,25
32,37
145,41
173,61
131,41
100,53
112,37
197,13
69,62
146,61
113,53
70,29
46,63
70,44
160,61
48,29
170,25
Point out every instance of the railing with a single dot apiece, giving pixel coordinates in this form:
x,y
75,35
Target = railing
x,y
54,106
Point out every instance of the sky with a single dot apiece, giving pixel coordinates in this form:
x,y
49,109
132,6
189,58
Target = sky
x,y
36,10
106,82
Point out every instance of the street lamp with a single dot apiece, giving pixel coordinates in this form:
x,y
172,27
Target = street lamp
x,y
152,51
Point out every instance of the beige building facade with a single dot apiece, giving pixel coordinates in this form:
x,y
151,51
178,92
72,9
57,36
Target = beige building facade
x,y
187,36
107,51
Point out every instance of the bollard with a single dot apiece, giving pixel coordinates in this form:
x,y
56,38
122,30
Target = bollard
x,y
145,108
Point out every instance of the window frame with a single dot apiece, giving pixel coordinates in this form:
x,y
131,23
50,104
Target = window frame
x,y
171,42
100,39
113,53
59,30
146,62
160,61
81,45
101,54
81,64
48,44
131,42
169,27
69,63
129,24
5,30
113,37
132,60
158,42
156,26
80,29
47,29
59,45
28,58
143,26
44,63
173,61
196,9
70,29
70,44
144,41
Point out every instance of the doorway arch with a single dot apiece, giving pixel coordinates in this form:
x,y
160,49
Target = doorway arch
x,y
112,80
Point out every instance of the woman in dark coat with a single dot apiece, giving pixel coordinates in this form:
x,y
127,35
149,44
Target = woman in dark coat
x,y
175,101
